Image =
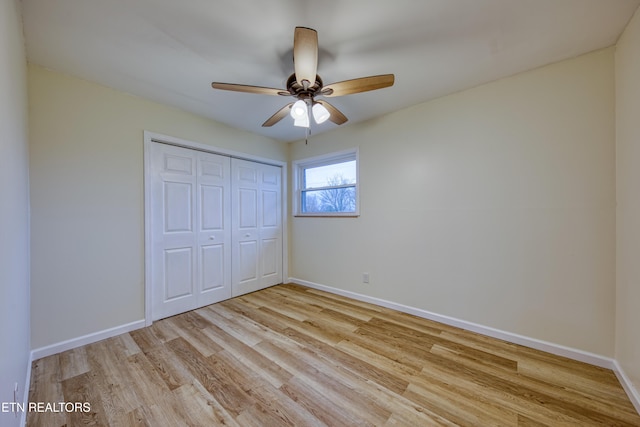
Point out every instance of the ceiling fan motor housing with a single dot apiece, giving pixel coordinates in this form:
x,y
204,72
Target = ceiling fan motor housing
x,y
297,90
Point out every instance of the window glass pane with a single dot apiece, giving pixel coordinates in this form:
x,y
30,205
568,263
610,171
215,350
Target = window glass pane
x,y
327,185
330,175
329,200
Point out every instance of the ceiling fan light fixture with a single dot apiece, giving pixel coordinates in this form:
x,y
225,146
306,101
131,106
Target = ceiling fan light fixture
x,y
299,110
302,122
320,113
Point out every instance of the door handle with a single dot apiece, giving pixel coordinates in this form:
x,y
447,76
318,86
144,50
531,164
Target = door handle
x,y
247,235
212,237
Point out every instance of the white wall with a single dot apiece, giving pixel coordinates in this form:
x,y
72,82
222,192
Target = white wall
x,y
14,209
628,198
495,205
87,199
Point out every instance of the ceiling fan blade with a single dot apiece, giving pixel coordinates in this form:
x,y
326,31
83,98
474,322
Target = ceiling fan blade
x,y
336,115
305,55
279,115
362,84
250,89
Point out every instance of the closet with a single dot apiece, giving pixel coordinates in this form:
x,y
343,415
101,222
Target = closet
x,y
215,227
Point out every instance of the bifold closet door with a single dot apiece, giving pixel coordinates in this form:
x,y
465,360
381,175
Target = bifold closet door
x,y
256,226
191,229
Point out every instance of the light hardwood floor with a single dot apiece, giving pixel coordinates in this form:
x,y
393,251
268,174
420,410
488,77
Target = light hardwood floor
x,y
290,355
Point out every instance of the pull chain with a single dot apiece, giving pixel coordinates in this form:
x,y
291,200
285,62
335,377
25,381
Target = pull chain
x,y
308,131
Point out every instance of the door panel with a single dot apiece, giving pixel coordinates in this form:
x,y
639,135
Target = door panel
x,y
214,168
256,225
248,208
179,163
178,273
172,223
248,261
212,207
214,228
270,208
190,226
271,226
269,257
247,173
177,206
213,269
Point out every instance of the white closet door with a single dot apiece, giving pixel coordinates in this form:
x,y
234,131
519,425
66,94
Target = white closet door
x,y
190,225
214,228
256,226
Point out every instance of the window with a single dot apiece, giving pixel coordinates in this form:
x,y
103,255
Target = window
x,y
327,185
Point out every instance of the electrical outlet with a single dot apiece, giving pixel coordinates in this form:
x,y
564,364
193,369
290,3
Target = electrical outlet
x,y
365,277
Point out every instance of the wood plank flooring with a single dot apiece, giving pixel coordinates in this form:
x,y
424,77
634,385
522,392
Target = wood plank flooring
x,y
294,356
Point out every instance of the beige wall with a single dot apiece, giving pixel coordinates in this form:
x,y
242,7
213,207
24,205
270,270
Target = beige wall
x,y
628,198
495,205
87,199
14,210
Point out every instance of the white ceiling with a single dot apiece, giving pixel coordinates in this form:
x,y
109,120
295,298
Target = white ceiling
x,y
170,51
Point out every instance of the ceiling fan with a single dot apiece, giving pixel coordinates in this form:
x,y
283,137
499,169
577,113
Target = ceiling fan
x,y
305,85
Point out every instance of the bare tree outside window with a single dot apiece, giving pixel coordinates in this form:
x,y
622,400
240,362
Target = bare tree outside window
x,y
342,199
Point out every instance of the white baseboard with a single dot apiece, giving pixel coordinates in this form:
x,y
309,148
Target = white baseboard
x,y
557,349
627,385
84,340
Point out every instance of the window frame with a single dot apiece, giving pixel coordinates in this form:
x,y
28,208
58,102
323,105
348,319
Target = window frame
x,y
298,172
